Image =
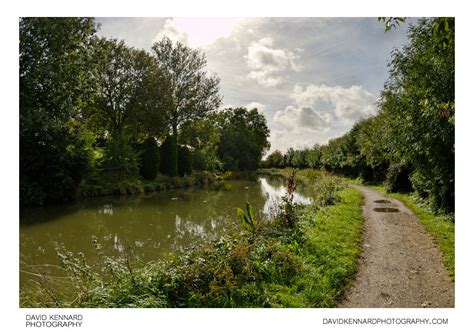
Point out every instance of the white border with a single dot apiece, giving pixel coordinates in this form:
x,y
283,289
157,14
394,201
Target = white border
x,y
223,320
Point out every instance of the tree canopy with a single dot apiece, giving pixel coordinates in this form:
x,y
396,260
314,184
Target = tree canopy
x,y
94,109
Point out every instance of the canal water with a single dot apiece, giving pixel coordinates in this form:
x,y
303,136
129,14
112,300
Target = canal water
x,y
149,226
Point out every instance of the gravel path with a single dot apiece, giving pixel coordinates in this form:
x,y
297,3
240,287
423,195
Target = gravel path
x,y
400,264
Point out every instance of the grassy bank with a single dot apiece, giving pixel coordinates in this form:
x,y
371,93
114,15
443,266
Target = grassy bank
x,y
112,185
303,257
441,227
330,253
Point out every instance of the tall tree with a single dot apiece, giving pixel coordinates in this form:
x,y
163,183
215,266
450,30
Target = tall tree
x,y
54,88
128,89
193,94
128,100
419,96
244,138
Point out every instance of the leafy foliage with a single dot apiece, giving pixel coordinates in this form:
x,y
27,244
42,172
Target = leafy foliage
x,y
150,159
185,161
54,147
243,139
169,157
192,94
87,104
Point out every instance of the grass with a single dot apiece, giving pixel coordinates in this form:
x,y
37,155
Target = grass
x,y
306,260
440,227
330,254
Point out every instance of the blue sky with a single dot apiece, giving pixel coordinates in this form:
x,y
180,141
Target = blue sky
x,y
311,77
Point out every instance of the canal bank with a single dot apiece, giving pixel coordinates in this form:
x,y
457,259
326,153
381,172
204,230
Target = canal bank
x,y
267,263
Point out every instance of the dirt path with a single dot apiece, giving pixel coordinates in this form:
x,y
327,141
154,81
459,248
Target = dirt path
x,y
400,264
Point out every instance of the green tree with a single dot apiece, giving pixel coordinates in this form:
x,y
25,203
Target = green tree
x,y
55,86
127,103
203,136
150,159
419,96
193,94
244,138
185,161
169,157
128,92
314,156
275,159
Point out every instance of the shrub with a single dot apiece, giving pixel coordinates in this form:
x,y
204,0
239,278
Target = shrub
x,y
121,157
398,178
199,161
150,159
169,157
185,161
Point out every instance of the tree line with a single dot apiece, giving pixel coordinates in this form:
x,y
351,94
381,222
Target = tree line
x,y
92,108
409,144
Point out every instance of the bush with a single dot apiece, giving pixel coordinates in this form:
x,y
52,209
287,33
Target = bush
x,y
398,178
121,157
199,161
185,161
150,159
169,157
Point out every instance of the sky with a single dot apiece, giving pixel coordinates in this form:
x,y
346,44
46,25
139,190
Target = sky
x,y
312,78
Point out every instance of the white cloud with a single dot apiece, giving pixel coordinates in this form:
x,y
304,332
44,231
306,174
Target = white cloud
x,y
173,32
319,113
348,104
295,118
265,61
197,32
255,105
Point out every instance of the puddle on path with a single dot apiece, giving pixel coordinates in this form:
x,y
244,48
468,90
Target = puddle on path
x,y
382,201
386,210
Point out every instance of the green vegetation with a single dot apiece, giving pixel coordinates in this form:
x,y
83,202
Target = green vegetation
x,y
90,108
243,140
185,161
169,157
409,144
150,159
259,263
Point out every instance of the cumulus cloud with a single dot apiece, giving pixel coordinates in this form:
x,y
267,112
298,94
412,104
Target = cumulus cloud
x,y
173,32
318,113
294,118
255,105
266,62
348,104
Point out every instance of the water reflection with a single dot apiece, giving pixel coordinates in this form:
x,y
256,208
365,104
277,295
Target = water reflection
x,y
274,194
152,225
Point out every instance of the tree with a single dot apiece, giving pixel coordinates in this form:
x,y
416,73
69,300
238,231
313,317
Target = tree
x,y
193,95
203,136
55,85
185,161
127,104
150,159
128,92
419,96
244,138
169,157
275,159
